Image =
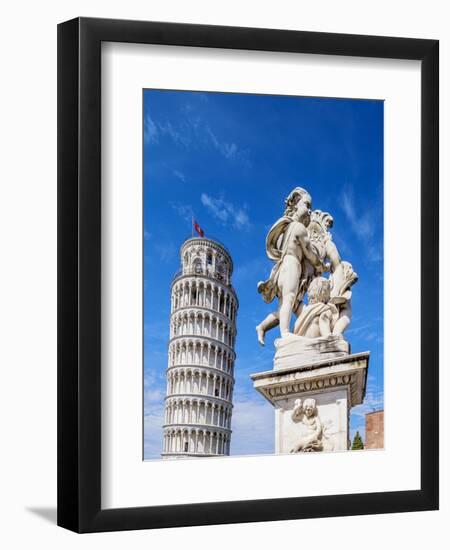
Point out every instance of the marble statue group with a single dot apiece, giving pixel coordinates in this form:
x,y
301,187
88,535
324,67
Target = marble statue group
x,y
301,245
315,380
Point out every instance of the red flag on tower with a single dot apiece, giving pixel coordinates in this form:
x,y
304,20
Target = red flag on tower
x,y
198,228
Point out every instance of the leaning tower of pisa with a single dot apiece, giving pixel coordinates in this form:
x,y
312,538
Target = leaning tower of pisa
x,y
200,372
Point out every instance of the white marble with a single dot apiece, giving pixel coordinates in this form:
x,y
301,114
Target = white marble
x,y
300,350
311,436
296,261
200,370
315,380
302,247
336,385
331,414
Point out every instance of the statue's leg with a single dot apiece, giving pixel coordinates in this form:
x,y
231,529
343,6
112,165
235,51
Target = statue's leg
x,y
288,281
343,321
286,304
271,321
325,324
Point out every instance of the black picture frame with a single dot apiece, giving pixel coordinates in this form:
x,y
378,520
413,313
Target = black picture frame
x,y
79,274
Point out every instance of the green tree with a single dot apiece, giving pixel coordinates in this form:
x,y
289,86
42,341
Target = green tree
x,y
357,442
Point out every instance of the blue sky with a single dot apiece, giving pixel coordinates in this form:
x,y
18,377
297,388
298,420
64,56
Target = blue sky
x,y
230,160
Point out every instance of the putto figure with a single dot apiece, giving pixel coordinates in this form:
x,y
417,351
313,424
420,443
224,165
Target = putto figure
x,y
302,246
312,431
318,317
297,262
342,276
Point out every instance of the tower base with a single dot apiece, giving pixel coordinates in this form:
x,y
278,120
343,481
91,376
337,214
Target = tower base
x,y
335,384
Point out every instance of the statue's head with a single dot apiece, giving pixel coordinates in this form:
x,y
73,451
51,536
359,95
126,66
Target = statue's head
x,y
309,407
325,219
298,205
328,220
319,290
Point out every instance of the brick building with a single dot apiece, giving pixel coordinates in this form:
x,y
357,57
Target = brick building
x,y
375,430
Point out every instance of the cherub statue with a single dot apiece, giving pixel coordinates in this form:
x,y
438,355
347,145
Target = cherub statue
x,y
342,276
311,439
317,318
297,262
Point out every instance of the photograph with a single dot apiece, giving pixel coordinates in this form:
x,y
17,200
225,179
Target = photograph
x,y
225,254
263,264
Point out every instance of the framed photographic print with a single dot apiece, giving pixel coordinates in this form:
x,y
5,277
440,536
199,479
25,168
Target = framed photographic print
x,y
248,281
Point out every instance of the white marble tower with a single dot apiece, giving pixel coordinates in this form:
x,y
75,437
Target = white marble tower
x,y
200,372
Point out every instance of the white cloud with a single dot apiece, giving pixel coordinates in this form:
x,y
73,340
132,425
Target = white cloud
x,y
341,243
154,392
253,427
362,224
241,218
150,130
150,376
226,212
190,131
373,401
253,270
370,332
360,328
216,207
185,211
154,396
178,134
153,130
179,175
153,434
228,150
375,254
166,252
157,331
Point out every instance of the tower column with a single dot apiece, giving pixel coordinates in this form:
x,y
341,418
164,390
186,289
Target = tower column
x,y
202,328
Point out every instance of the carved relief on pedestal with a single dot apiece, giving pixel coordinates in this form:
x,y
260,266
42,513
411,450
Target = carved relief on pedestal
x,y
311,433
313,436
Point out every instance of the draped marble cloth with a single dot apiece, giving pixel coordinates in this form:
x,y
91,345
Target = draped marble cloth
x,y
310,313
276,247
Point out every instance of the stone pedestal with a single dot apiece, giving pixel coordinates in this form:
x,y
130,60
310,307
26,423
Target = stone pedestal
x,y
336,384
